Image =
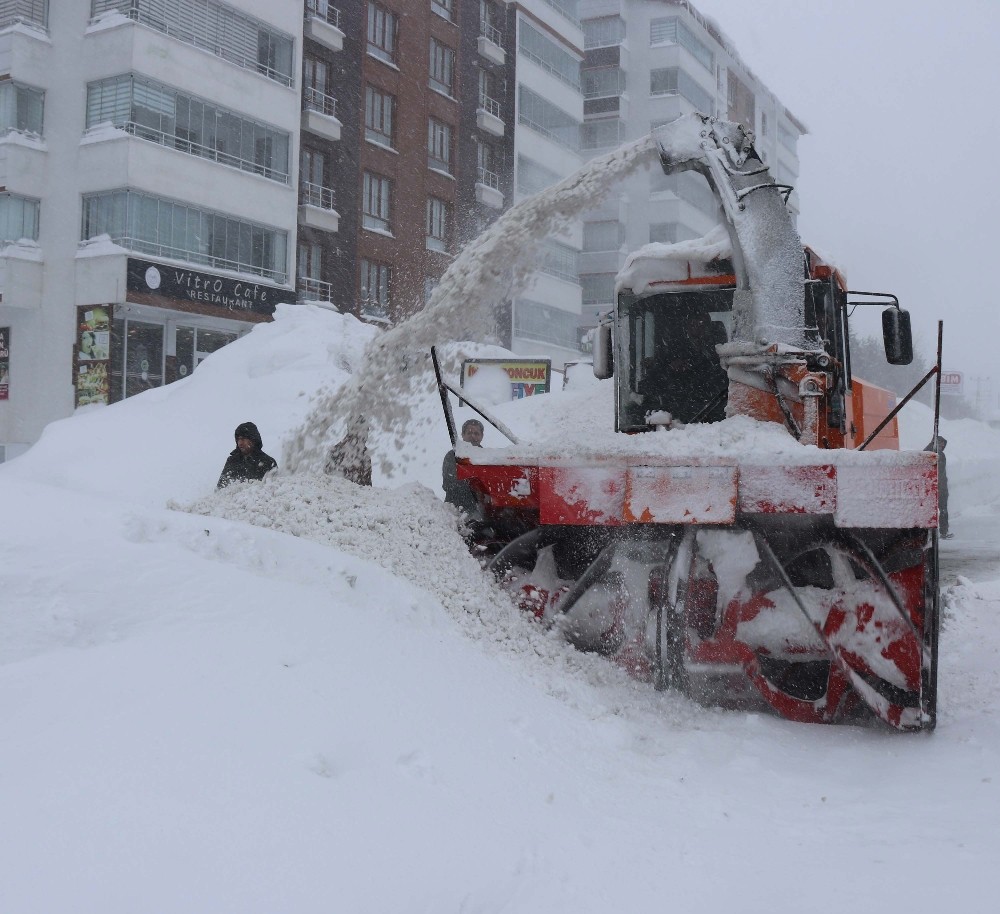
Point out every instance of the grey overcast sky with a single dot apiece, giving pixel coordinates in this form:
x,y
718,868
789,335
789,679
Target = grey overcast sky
x,y
899,181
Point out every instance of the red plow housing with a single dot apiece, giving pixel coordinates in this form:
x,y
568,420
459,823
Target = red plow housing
x,y
809,589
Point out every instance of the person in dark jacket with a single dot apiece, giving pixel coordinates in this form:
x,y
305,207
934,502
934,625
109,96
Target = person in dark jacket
x,y
248,460
942,485
457,491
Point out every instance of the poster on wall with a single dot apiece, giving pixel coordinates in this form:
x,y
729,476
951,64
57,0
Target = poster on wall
x,y
93,350
4,363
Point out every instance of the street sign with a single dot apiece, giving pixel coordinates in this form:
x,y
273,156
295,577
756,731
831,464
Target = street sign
x,y
951,382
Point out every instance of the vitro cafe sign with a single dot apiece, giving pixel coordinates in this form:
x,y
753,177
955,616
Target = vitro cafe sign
x,y
236,295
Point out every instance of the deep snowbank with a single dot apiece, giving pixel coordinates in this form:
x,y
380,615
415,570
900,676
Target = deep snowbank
x,y
328,707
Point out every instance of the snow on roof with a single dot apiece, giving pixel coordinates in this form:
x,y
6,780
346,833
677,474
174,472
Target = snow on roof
x,y
656,262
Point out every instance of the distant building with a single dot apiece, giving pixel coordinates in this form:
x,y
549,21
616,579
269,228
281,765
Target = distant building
x,y
645,65
547,118
148,207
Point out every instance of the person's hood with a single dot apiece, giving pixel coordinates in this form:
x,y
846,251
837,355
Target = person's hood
x,y
249,430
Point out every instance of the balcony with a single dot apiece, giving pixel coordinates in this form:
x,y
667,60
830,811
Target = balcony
x,y
491,44
488,116
319,113
316,208
322,24
488,189
315,290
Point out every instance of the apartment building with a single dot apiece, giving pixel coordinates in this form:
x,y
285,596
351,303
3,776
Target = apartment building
x,y
148,211
415,166
544,73
645,65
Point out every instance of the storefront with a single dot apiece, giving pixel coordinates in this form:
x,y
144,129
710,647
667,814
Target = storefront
x,y
172,319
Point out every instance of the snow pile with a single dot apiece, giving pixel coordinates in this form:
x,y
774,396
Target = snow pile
x,y
406,530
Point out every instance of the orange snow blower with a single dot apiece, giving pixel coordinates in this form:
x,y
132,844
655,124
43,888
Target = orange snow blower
x,y
749,533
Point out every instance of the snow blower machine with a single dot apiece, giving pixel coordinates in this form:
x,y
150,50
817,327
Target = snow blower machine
x,y
750,533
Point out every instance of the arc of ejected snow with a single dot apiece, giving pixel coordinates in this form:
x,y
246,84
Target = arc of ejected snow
x,y
487,270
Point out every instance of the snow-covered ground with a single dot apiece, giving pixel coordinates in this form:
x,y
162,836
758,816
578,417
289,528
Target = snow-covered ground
x,y
302,696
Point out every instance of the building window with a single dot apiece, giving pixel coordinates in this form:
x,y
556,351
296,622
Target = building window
x,y
675,81
377,202
491,89
787,137
688,186
671,30
536,321
606,32
763,123
155,112
604,82
548,55
312,167
560,260
18,218
488,162
444,8
216,27
442,67
602,134
438,146
437,224
491,22
21,108
376,285
532,177
382,26
671,232
312,180
379,117
603,236
165,228
598,288
310,261
314,74
548,119
740,100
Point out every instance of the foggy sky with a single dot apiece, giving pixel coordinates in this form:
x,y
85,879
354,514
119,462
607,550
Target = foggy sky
x,y
899,181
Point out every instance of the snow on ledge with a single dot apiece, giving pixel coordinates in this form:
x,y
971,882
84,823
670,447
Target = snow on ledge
x,y
109,20
28,140
102,132
99,246
22,249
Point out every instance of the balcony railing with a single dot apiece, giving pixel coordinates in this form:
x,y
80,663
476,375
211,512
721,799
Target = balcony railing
x,y
175,140
315,100
491,33
316,195
490,105
314,289
322,10
489,178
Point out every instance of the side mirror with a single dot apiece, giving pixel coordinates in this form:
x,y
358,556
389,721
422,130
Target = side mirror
x,y
897,337
603,361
